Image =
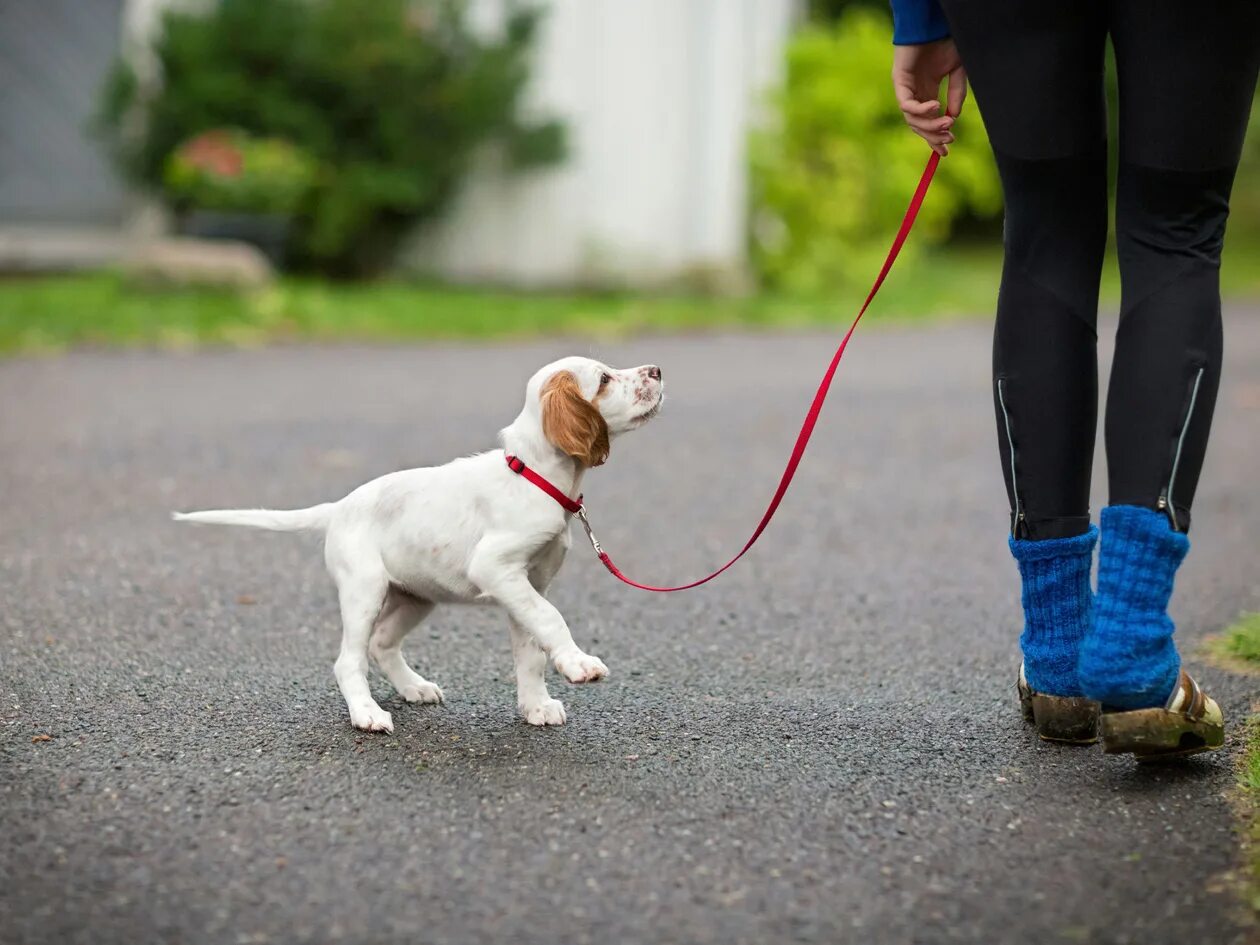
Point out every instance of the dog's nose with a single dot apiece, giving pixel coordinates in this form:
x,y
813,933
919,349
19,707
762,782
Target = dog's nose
x,y
654,372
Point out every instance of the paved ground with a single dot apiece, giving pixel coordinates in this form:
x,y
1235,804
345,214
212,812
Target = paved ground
x,y
821,747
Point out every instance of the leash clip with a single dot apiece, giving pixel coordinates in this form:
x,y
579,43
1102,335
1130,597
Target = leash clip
x,y
590,533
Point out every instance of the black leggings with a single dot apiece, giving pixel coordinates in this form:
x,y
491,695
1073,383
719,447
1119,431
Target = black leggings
x,y
1187,74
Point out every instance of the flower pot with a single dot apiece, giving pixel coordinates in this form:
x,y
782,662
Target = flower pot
x,y
267,231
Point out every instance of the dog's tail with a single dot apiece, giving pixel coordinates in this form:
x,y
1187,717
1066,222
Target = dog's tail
x,y
316,518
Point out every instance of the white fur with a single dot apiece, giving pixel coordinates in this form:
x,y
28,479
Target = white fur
x,y
469,531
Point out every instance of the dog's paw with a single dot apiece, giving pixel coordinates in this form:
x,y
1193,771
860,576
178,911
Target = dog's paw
x,y
422,692
579,667
371,718
550,712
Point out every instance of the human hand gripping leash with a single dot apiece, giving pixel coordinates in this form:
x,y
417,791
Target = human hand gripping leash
x,y
802,440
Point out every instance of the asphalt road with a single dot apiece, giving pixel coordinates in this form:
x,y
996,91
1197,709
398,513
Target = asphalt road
x,y
822,746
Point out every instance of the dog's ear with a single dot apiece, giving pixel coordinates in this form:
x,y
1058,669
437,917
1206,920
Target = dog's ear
x,y
572,423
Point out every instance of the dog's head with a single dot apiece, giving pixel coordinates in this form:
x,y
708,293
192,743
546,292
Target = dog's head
x,y
584,404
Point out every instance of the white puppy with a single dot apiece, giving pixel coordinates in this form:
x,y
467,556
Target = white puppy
x,y
473,530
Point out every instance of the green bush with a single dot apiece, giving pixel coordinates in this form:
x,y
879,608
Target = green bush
x,y
832,173
834,9
229,170
1244,213
389,97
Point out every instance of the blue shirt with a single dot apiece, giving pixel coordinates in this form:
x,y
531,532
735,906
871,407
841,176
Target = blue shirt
x,y
918,21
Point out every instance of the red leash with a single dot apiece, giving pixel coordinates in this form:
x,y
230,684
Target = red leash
x,y
802,439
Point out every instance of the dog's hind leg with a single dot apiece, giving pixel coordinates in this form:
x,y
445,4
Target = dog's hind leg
x,y
362,594
400,615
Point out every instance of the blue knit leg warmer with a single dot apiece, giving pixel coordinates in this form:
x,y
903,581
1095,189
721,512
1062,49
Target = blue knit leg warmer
x,y
1129,661
1058,608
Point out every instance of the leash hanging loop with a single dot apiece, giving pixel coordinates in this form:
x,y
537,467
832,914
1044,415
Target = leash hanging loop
x,y
815,408
811,418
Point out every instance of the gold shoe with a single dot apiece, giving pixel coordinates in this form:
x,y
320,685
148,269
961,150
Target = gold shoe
x,y
1071,720
1189,722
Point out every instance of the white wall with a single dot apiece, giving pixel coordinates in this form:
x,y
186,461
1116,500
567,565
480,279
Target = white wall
x,y
658,96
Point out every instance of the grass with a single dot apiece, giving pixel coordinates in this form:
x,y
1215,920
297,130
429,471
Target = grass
x,y
51,314
1249,783
1239,648
54,313
1240,643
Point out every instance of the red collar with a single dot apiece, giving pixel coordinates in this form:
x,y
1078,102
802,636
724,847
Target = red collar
x,y
517,465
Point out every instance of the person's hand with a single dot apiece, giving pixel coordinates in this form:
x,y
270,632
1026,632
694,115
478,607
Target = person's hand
x,y
917,73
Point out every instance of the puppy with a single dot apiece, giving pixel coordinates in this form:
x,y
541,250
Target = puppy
x,y
467,532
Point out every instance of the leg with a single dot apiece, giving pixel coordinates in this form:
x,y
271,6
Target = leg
x,y
539,617
1179,150
362,594
400,615
1037,72
1178,153
497,570
532,697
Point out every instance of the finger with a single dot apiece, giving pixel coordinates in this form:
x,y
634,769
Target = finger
x,y
932,126
909,102
938,146
912,106
939,143
927,131
957,93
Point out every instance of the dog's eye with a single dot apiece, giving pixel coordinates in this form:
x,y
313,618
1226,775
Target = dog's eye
x,y
605,379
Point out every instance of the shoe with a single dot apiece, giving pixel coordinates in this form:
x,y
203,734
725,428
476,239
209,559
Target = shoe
x,y
1070,720
1190,722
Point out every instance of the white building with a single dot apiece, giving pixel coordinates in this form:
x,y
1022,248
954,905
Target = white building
x,y
658,97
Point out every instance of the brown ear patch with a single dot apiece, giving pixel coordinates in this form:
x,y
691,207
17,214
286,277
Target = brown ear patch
x,y
571,423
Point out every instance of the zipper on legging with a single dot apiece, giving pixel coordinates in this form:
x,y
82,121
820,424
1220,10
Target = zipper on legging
x,y
1165,502
1019,526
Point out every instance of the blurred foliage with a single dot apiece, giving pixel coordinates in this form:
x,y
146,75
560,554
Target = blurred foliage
x,y
390,97
230,170
832,9
1244,214
832,173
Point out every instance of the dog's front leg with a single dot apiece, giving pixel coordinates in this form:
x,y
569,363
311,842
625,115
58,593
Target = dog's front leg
x,y
532,698
508,584
539,617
